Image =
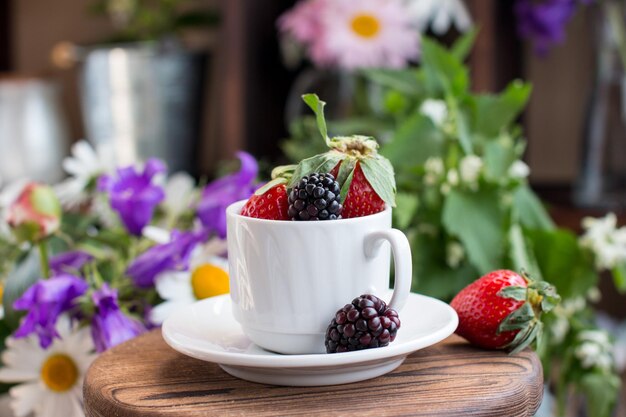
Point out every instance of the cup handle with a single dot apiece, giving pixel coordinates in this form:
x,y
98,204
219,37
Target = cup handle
x,y
401,259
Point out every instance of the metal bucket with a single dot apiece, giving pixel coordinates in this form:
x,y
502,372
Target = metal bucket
x,y
142,100
33,132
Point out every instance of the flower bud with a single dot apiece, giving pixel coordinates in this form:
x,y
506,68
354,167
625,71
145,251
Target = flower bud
x,y
35,214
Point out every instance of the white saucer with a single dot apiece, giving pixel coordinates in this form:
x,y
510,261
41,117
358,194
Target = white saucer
x,y
207,330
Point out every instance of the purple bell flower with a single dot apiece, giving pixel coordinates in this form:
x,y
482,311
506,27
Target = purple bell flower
x,y
221,193
109,325
173,255
71,261
45,301
544,21
133,195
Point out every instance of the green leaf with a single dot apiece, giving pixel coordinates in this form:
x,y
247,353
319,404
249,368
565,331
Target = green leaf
x,y
518,319
432,276
522,342
495,112
514,292
444,73
415,140
477,219
25,273
498,156
345,169
406,207
317,105
521,255
269,185
619,277
601,391
403,80
529,211
463,46
379,173
562,262
346,185
319,163
462,127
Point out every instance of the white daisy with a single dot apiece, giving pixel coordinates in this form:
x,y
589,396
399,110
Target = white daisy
x,y
84,166
50,379
440,15
206,277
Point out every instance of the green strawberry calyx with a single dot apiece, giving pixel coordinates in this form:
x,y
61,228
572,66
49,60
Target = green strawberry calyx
x,y
539,297
280,175
350,151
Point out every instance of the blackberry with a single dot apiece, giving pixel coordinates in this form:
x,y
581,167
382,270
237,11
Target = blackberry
x,y
364,324
316,197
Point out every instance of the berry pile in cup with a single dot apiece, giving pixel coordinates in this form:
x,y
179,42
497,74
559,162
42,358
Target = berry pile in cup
x,y
350,180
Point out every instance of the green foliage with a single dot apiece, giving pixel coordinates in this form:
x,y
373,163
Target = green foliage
x,y
467,211
148,20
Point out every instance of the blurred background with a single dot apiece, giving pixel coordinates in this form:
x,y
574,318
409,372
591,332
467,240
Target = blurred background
x,y
194,81
245,83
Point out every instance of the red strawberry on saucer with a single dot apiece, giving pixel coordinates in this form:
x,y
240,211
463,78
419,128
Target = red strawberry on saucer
x,y
502,310
366,178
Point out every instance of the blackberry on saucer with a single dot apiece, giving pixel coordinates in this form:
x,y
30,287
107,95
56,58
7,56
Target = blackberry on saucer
x,y
365,323
315,197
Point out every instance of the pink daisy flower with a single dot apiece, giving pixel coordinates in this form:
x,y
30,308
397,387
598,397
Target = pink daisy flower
x,y
354,34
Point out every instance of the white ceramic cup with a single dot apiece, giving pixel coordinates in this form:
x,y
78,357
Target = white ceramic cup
x,y
289,278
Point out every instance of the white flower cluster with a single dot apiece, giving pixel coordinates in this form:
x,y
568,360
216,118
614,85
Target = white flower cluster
x,y
563,312
470,169
595,350
435,110
605,240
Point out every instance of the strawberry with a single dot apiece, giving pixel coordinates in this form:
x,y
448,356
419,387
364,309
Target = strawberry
x,y
502,310
361,199
270,205
366,178
270,202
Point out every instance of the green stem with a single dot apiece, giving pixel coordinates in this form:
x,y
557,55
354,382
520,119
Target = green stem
x,y
43,255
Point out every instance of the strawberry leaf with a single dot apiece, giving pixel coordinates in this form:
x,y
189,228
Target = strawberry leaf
x,y
346,185
317,105
346,167
379,173
524,339
515,292
318,163
519,319
268,186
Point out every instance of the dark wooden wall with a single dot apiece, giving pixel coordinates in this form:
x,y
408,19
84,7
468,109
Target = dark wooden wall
x,y
5,41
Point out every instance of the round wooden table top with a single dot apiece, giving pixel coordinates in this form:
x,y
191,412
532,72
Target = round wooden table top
x,y
145,377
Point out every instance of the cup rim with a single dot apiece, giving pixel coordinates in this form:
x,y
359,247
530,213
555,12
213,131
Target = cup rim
x,y
234,210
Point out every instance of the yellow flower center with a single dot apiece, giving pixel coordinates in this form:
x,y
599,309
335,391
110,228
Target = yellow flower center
x,y
1,291
59,372
208,281
365,25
